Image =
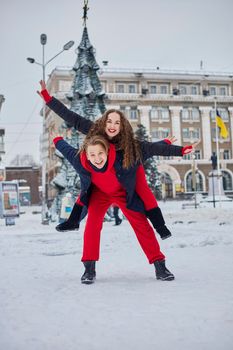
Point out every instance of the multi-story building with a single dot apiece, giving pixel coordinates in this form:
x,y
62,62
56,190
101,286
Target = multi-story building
x,y
179,103
2,144
28,178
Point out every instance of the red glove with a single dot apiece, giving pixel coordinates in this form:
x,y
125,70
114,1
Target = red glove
x,y
47,98
56,139
167,141
187,150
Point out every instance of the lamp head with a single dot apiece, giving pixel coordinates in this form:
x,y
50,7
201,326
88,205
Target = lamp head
x,y
31,60
43,39
68,45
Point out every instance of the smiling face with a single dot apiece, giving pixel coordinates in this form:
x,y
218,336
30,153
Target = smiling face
x,y
97,155
113,124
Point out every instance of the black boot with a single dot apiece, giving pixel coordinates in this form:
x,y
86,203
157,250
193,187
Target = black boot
x,y
73,222
156,217
89,274
118,222
162,273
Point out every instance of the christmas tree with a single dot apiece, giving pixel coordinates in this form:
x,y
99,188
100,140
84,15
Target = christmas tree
x,y
86,99
150,166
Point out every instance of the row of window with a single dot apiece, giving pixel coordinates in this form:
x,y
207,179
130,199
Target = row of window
x,y
182,89
187,134
198,155
163,113
225,154
161,88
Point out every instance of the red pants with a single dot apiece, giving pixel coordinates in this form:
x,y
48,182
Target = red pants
x,y
99,203
143,190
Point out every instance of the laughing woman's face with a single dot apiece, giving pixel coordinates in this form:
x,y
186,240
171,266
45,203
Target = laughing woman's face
x,y
113,124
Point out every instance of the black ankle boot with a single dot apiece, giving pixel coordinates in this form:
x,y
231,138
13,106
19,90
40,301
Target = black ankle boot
x,y
161,272
118,222
89,274
156,217
73,222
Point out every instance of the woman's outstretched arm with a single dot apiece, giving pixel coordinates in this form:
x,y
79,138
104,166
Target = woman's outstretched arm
x,y
71,118
150,149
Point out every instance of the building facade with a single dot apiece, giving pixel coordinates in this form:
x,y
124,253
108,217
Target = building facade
x,y
28,178
2,144
178,103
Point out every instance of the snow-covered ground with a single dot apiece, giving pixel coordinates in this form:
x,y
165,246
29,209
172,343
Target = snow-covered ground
x,y
43,305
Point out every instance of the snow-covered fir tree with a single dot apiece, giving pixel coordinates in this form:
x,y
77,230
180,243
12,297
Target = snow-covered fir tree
x,y
86,99
150,166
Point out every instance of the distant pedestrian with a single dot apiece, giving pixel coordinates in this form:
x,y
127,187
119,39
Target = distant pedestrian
x,y
118,220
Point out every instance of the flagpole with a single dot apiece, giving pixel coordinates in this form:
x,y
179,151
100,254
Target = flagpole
x,y
217,150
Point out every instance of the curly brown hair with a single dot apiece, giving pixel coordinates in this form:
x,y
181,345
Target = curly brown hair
x,y
124,141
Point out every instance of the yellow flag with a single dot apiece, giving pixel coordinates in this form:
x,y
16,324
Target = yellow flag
x,y
222,126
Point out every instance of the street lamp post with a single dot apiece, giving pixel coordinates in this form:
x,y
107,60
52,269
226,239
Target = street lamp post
x,y
194,180
67,46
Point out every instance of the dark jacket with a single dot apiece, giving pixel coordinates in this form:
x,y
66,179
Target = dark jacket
x,y
149,149
126,177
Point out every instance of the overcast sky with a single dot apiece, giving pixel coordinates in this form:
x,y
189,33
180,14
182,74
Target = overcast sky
x,y
171,34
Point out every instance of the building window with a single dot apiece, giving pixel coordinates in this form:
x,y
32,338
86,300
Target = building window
x,y
159,133
191,134
133,114
226,154
2,148
186,89
154,113
197,154
187,157
227,181
194,90
166,185
222,91
160,113
104,85
212,90
123,109
185,114
163,89
153,89
195,114
183,89
190,114
120,88
213,133
190,156
165,113
190,185
132,88
223,112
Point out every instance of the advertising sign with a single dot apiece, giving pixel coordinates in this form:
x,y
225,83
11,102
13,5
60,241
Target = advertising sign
x,y
9,199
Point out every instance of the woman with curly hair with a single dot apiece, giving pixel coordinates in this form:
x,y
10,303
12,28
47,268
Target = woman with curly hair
x,y
116,127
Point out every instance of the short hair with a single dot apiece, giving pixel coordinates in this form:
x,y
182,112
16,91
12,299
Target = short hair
x,y
95,140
